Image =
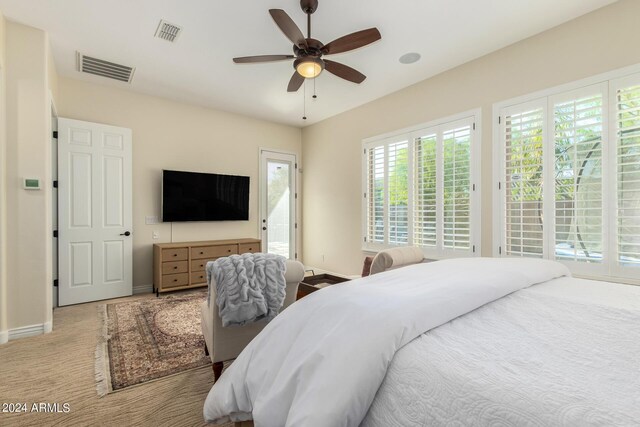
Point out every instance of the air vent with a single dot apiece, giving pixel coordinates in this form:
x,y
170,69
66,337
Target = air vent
x,y
100,67
167,31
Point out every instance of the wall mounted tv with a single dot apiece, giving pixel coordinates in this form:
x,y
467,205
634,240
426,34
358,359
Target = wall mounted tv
x,y
192,196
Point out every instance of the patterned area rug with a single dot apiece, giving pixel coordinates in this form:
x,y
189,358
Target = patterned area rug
x,y
149,339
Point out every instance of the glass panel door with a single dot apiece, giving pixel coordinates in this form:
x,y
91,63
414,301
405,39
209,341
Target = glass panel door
x,y
278,203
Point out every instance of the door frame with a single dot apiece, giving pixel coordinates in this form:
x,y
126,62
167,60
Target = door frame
x,y
53,127
297,197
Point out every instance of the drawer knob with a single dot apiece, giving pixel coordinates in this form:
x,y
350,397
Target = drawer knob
x,y
250,249
175,254
229,250
201,253
175,280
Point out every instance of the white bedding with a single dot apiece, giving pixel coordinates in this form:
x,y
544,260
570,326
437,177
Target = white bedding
x,y
563,353
321,362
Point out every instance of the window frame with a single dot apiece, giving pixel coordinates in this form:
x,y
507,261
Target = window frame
x,y
472,117
608,83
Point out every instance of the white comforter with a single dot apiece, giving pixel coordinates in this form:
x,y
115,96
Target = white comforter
x,y
545,356
321,362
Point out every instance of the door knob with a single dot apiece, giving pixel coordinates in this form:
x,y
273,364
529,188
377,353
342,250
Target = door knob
x,y
126,233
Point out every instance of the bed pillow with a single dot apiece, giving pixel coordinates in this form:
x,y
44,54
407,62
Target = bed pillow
x,y
396,257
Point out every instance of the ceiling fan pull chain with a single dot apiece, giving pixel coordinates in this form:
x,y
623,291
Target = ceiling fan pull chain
x,y
304,100
314,89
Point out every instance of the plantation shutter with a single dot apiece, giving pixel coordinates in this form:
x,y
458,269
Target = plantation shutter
x,y
456,187
578,132
572,159
627,120
523,155
418,190
375,192
398,192
425,195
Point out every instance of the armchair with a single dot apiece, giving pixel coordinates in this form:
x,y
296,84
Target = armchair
x,y
226,343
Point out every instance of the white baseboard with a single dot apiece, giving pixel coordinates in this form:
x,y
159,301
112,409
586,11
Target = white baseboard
x,y
28,331
142,289
4,337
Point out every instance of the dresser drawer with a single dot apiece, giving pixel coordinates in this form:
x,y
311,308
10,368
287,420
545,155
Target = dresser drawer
x,y
173,280
209,252
198,277
199,264
174,267
249,247
178,254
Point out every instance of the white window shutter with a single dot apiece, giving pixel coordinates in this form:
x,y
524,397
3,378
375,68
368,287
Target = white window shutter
x,y
398,192
418,190
375,194
425,194
627,121
523,156
578,132
456,189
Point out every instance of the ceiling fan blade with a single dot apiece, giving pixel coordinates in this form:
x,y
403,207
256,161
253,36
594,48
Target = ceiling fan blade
x,y
344,71
261,58
352,41
295,82
288,27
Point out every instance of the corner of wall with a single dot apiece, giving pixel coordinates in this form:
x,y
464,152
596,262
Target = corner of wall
x,y
4,334
27,154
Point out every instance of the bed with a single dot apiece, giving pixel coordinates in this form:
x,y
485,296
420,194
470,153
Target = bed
x,y
459,342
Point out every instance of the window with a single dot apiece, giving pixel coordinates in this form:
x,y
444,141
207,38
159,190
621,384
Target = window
x,y
523,182
420,189
627,172
569,180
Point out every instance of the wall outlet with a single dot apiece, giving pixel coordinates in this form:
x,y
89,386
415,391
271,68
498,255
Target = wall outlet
x,y
150,220
155,235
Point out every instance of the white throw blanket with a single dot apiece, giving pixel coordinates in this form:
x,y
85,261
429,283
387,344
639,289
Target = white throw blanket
x,y
249,287
322,361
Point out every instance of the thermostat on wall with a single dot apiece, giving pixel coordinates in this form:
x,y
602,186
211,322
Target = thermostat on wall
x,y
31,184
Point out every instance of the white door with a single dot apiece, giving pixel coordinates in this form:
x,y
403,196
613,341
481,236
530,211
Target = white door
x,y
278,196
95,212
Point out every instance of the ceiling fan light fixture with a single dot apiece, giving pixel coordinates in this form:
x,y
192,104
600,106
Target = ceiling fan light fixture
x,y
309,67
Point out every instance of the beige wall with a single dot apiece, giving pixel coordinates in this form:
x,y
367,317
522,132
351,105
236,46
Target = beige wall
x,y
28,155
52,74
595,43
4,336
170,135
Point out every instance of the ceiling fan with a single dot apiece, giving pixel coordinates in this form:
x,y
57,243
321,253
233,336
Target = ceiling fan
x,y
308,52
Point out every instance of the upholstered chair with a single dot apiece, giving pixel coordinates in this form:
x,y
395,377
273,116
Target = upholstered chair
x,y
226,343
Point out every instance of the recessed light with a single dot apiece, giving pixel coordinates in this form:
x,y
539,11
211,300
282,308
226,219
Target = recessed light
x,y
410,58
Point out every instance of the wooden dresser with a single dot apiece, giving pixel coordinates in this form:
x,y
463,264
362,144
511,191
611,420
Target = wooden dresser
x,y
182,265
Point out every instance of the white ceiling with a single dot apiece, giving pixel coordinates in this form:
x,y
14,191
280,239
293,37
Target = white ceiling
x,y
198,68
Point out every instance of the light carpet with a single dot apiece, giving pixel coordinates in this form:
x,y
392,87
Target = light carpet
x,y
59,368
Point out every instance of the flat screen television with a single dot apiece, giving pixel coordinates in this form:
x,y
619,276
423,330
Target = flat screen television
x,y
192,196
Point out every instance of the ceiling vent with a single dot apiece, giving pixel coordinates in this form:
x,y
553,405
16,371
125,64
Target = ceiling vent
x,y
167,31
100,67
